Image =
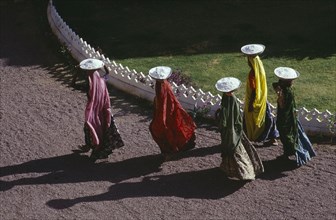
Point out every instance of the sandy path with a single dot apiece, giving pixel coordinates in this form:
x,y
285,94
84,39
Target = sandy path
x,y
41,119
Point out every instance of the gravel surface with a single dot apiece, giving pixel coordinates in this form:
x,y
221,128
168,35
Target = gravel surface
x,y
41,118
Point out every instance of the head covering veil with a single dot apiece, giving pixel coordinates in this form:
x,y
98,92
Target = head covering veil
x,y
255,124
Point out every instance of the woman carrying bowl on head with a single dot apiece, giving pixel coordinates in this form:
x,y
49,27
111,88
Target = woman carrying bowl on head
x,y
259,124
172,128
293,138
240,159
101,133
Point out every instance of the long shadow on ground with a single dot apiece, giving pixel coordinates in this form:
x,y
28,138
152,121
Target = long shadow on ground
x,y
74,168
202,184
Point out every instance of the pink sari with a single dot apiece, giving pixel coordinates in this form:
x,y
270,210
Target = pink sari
x,y
98,109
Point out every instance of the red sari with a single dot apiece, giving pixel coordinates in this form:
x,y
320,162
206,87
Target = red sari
x,y
172,128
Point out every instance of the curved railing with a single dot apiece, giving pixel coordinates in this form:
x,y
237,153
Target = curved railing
x,y
138,84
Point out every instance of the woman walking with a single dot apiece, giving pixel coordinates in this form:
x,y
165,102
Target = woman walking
x,y
259,124
294,140
172,128
101,133
240,159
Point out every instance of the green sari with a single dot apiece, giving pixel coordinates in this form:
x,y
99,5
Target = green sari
x,y
240,159
230,124
287,122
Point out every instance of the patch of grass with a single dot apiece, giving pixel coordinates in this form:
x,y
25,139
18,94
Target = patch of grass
x,y
314,89
203,39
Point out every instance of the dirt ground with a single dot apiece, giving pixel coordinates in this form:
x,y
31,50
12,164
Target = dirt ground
x,y
41,118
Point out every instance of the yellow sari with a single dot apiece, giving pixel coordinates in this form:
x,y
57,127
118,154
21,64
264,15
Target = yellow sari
x,y
255,120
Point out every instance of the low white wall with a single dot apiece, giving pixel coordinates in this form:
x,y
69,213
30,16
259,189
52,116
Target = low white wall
x,y
138,84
